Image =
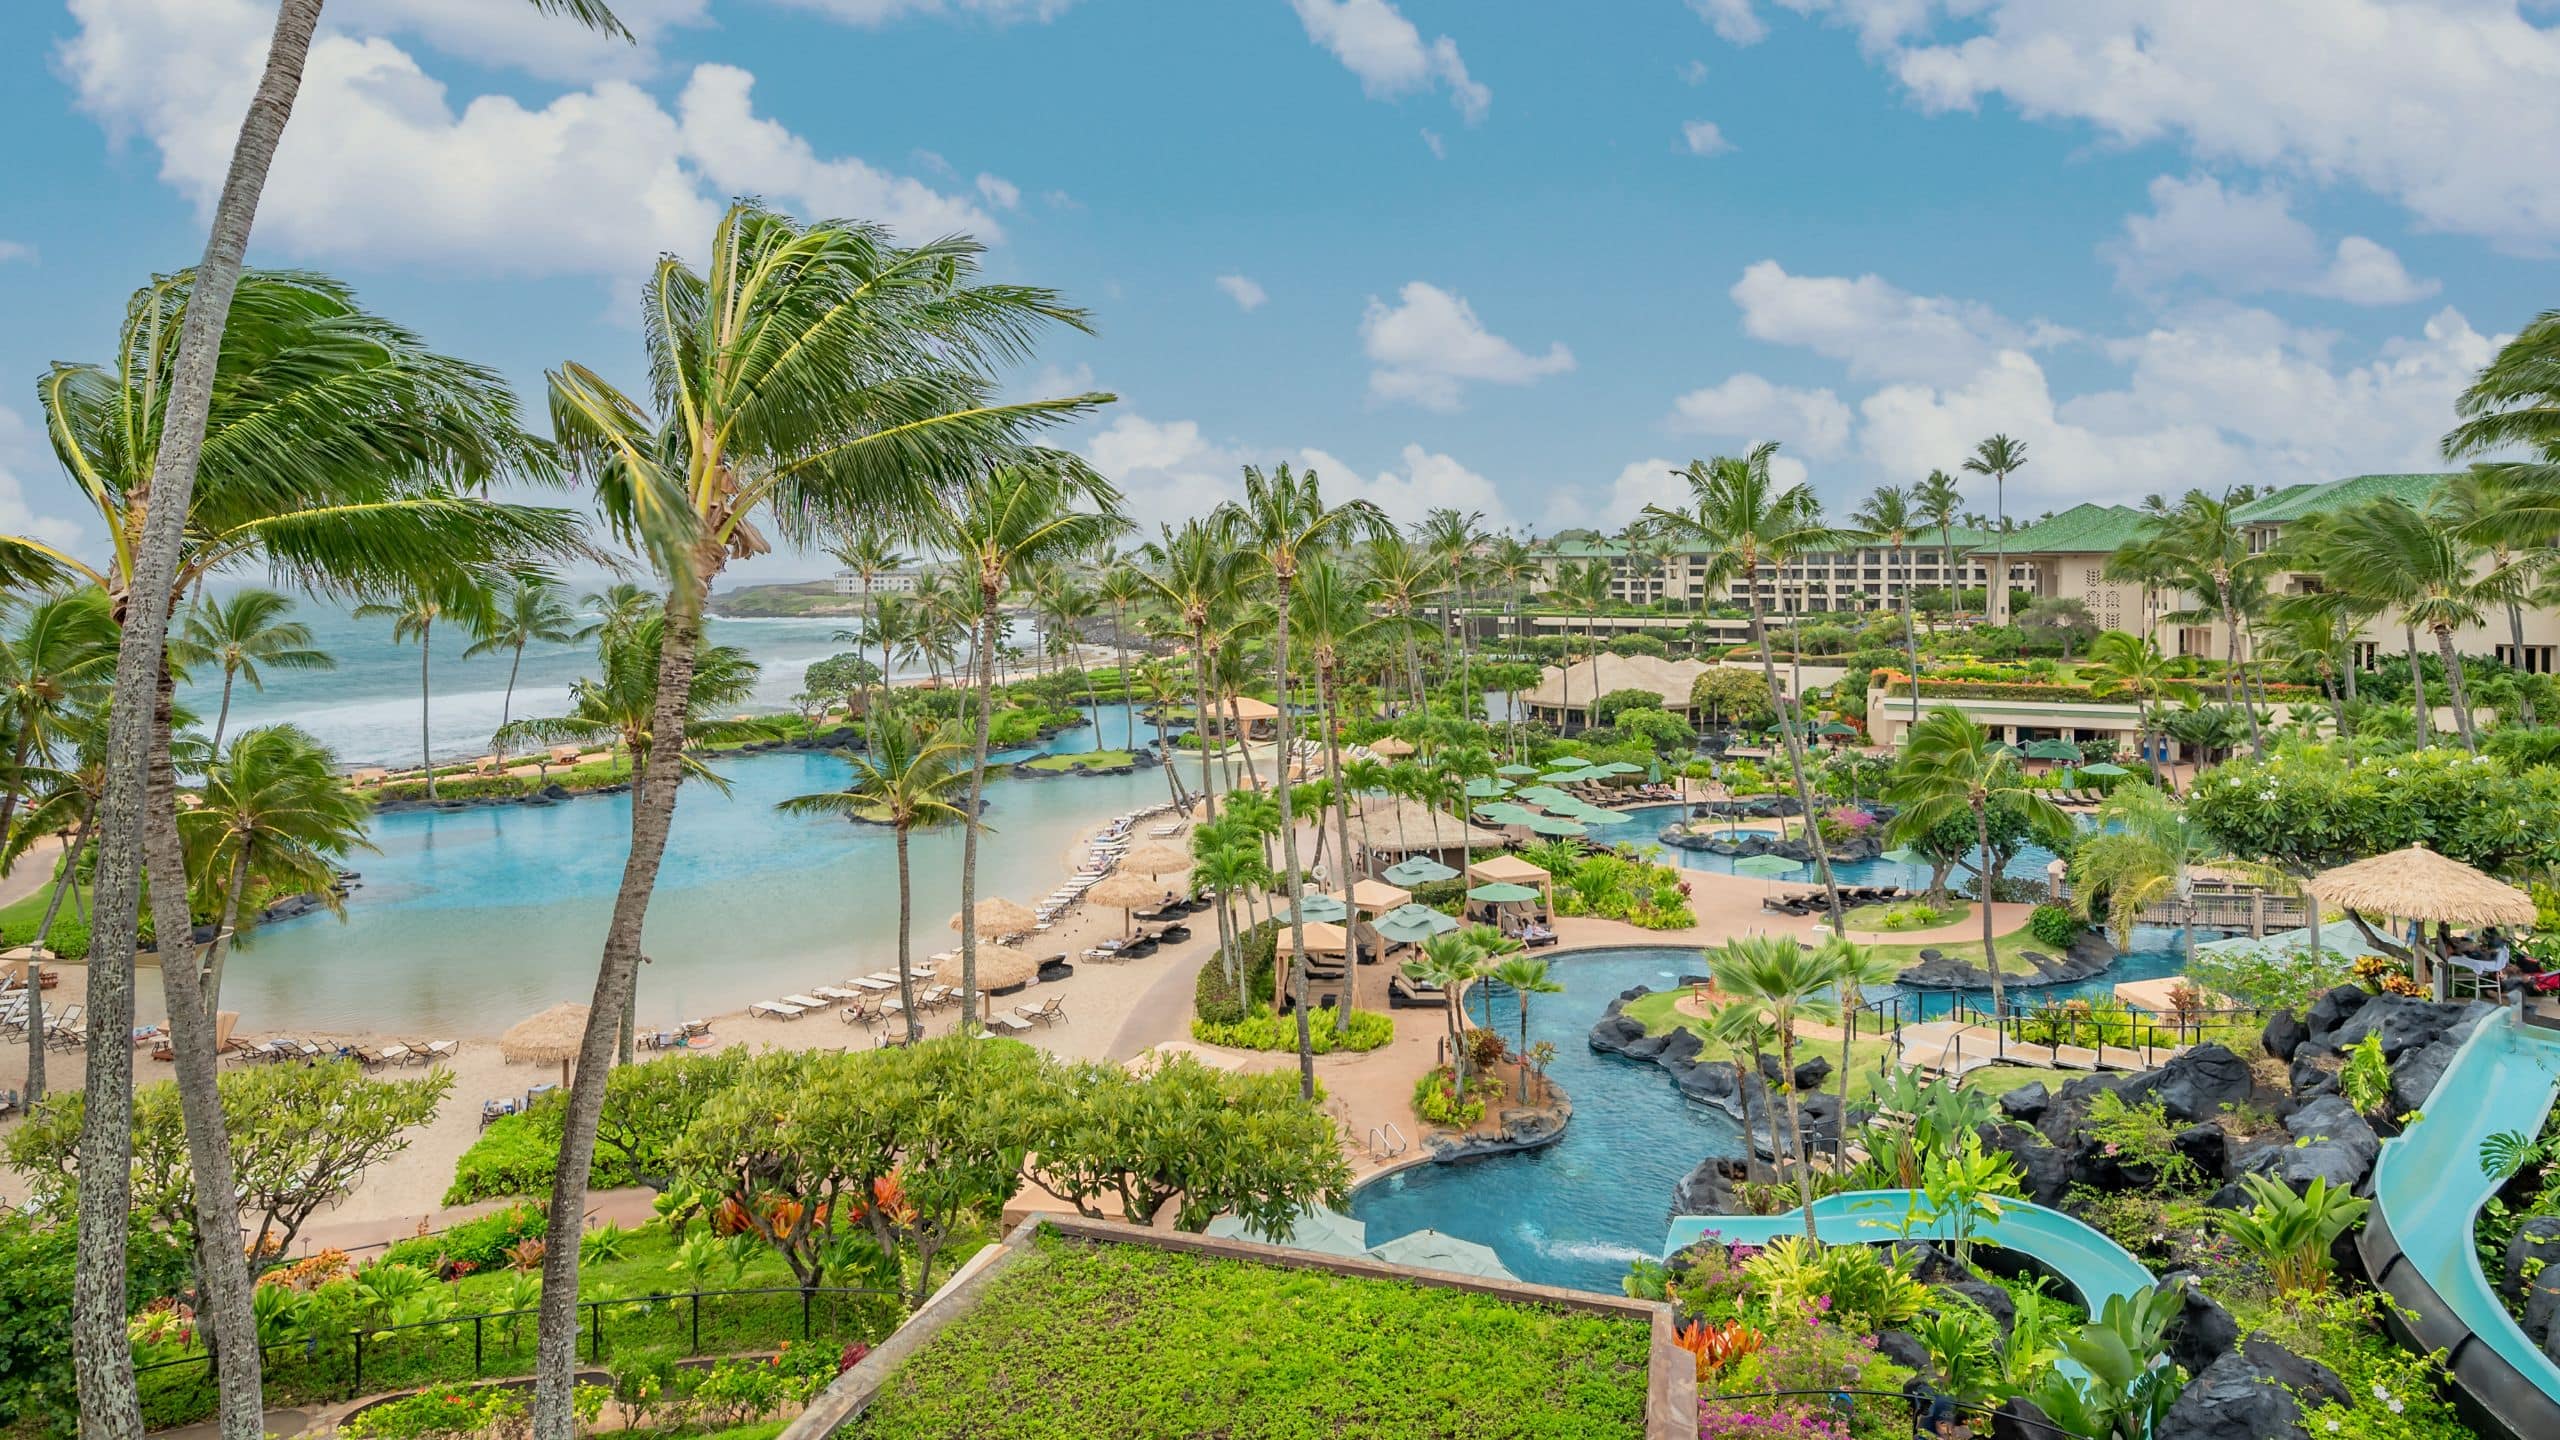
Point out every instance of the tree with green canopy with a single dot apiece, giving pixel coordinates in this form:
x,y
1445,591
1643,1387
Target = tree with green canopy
x,y
526,607
1183,1134
241,634
272,810
1948,768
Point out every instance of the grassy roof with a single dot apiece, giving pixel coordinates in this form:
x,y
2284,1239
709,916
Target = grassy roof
x,y
2297,501
2086,528
1078,1338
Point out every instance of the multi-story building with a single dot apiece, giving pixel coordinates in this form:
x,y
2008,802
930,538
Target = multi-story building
x,y
887,582
1866,578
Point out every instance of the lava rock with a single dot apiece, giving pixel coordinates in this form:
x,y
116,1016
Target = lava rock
x,y
2284,1034
2537,1239
2203,1331
2414,1075
2062,1117
2026,1103
1994,1301
1927,1263
2309,1077
2404,1022
1709,1188
1681,1046
1772,1071
2333,1009
1614,1033
2017,1418
1904,1349
2046,1167
2248,1394
2195,1086
2206,1148
1644,1047
2331,1120
1809,1075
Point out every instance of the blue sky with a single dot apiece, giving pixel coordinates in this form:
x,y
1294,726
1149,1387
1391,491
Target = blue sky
x,y
1517,257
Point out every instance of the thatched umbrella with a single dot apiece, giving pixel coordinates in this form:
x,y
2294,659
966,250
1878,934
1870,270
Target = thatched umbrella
x,y
1126,894
2419,884
1003,970
553,1035
1390,747
999,916
1157,858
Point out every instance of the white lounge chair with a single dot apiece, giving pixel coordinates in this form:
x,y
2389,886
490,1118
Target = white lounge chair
x,y
778,1009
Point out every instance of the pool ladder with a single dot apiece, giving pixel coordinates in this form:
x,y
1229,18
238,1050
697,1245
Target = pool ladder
x,y
1387,1140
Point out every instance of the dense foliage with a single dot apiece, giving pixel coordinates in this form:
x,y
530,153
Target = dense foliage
x,y
2311,806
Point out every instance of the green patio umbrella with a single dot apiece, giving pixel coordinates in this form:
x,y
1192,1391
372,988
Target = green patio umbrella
x,y
1325,1231
1322,910
1569,762
2052,750
1504,814
1502,893
1420,870
1413,924
1546,795
1569,777
1834,727
1653,773
1766,867
2106,768
1905,855
2003,747
1594,815
1619,767
1431,1250
1543,825
1517,771
1487,789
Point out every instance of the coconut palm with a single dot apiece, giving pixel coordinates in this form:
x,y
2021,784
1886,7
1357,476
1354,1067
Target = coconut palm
x,y
1281,521
274,810
1998,457
1949,767
2514,403
2142,855
2425,569
1584,587
1854,970
617,706
340,452
2134,664
413,617
870,553
1403,578
1448,964
238,634
1329,612
909,776
1887,515
1451,535
1938,499
1526,977
1742,1030
2515,523
58,654
1786,983
1120,587
1744,520
1231,872
1194,575
2200,547
526,608
617,609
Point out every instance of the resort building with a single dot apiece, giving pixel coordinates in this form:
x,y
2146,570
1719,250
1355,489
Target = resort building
x,y
1564,694
1866,578
887,582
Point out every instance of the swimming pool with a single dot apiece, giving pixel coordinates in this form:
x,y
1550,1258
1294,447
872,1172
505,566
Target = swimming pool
x,y
1576,1212
1651,820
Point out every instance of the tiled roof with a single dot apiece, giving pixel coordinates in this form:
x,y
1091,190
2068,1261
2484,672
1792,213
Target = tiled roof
x,y
2084,529
2301,500
1584,549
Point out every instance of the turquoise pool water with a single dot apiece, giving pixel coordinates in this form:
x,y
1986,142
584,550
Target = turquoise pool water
x,y
1651,820
468,920
1576,1212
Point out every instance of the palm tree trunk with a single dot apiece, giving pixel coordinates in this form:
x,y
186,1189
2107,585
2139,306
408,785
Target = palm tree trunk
x,y
1128,691
426,750
70,879
1342,828
1742,1098
1289,849
2524,693
906,946
986,680
1990,948
2231,663
1911,639
102,1355
2347,692
653,805
1795,1127
1795,762
2454,690
1201,725
507,707
220,950
222,1268
2418,688
221,718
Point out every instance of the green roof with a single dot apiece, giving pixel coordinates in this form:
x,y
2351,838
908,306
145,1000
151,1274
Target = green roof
x,y
1930,539
2084,529
2297,501
1585,549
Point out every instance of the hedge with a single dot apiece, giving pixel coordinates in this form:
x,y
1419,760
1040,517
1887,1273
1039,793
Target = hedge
x,y
1211,999
1263,1030
519,1155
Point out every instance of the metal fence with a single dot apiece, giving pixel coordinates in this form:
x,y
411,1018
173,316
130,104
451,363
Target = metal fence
x,y
336,1366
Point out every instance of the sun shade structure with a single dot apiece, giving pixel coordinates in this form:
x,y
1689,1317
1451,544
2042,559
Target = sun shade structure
x,y
1767,867
2419,884
1399,826
1502,893
1157,858
1126,893
1391,746
551,1037
1431,1250
1834,727
2106,768
1545,825
1413,924
999,916
1905,855
1594,815
1569,777
1420,870
1506,814
1618,767
1486,789
1320,908
1003,970
1546,795
1377,895
1324,1231
2052,750
1517,771
1322,939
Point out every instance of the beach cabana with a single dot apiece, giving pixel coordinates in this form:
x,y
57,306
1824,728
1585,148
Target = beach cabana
x,y
1512,870
1249,712
2423,887
1394,825
1375,897
550,1037
998,917
1323,938
1127,894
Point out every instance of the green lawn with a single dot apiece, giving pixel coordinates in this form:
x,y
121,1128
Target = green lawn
x,y
1078,1338
1867,1055
2011,962
19,918
1090,759
1871,917
2000,1079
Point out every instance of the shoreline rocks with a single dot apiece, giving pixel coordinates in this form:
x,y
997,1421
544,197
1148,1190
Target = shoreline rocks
x,y
2090,955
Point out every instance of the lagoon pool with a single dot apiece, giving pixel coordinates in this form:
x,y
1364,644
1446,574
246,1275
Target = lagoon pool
x,y
1576,1212
1652,820
469,920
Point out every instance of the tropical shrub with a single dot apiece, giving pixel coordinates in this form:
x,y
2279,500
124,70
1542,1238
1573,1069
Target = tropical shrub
x,y
1437,1102
2055,925
1214,1000
2365,1080
1263,1030
481,1244
2290,1234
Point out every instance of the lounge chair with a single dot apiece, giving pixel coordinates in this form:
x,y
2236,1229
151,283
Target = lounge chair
x,y
778,1009
1049,1012
369,1057
858,1014
442,1050
492,1111
836,992
696,1029
805,1002
1011,1024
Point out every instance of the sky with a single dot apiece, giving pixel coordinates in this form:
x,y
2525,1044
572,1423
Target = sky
x,y
1521,258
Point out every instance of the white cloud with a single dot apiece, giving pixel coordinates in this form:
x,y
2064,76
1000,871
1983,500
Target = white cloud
x,y
13,250
1170,471
1882,331
1704,137
514,35
1750,408
22,453
1438,146
1734,21
1430,344
1426,481
2394,95
1243,290
2249,241
1693,72
1374,41
884,12
380,163
1000,192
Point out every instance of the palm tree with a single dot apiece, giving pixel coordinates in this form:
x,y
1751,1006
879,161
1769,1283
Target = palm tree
x,y
1998,457
2143,854
1402,579
1949,767
1451,535
413,617
1194,575
869,553
617,609
819,375
1329,611
1005,526
1526,977
2516,524
1282,520
2386,549
273,809
1938,499
2514,403
1739,1026
58,654
1744,521
240,633
907,776
1120,587
2132,663
1586,586
68,804
525,608
2202,548
1448,963
1230,871
1854,968
348,458
1785,982
1888,516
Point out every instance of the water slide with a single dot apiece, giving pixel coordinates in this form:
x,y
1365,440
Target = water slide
x,y
2089,1262
2417,1243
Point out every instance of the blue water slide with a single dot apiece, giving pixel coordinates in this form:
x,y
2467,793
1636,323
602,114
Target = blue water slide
x,y
2428,1188
2089,1262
